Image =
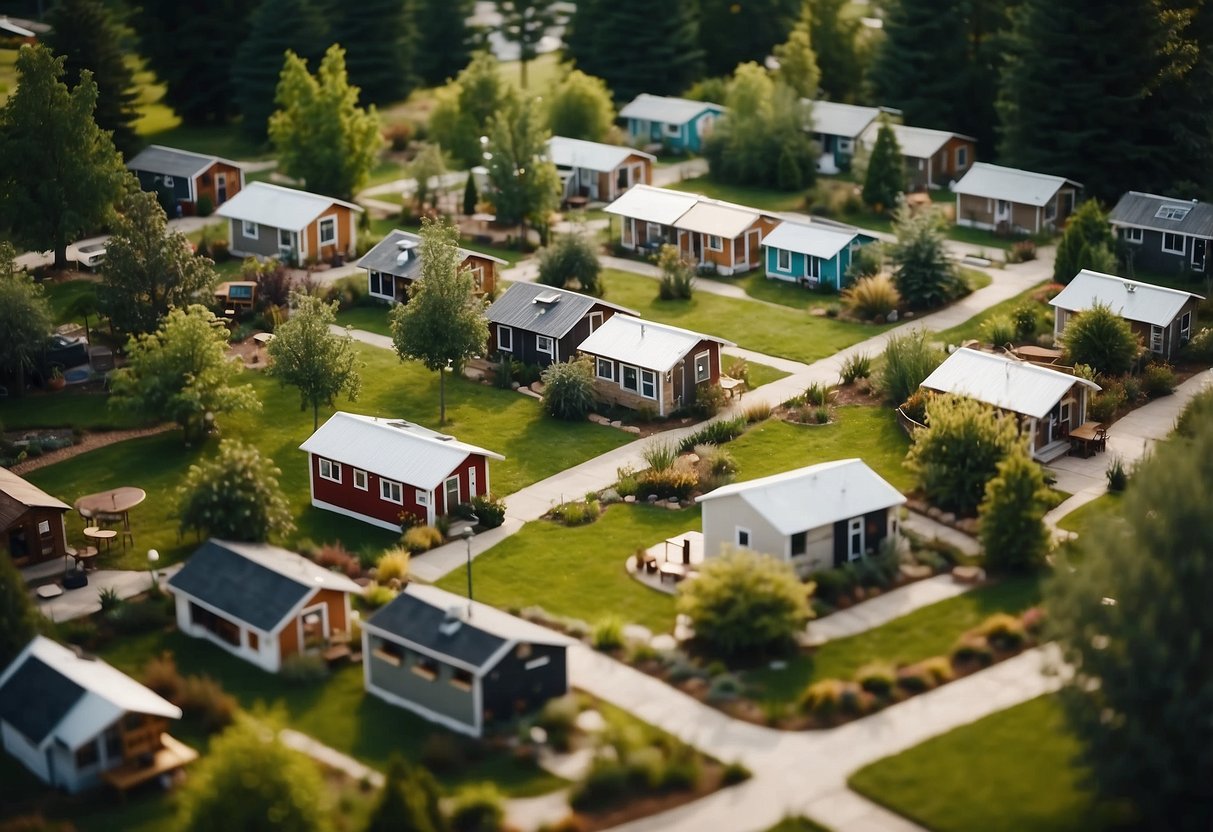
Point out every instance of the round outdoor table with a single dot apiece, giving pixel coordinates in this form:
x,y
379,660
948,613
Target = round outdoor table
x,y
114,504
94,533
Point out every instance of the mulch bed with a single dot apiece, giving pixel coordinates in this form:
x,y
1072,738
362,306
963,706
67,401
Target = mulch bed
x,y
90,442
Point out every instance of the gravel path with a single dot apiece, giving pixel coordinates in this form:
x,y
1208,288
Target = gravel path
x,y
90,442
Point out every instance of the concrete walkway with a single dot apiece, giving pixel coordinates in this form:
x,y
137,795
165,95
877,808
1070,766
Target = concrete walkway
x,y
931,529
78,603
884,608
331,757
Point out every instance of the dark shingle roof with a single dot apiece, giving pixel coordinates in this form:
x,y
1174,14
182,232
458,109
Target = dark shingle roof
x,y
36,698
169,160
384,257
519,308
220,576
1140,209
421,623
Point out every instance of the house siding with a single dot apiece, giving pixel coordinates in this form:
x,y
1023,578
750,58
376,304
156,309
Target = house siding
x,y
437,695
27,524
265,244
681,376
1172,340
832,271
523,342
205,182
1149,254
510,689
690,136
345,235
939,170
150,180
369,503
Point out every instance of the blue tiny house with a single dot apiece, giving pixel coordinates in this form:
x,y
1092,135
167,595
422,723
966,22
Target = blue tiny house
x,y
678,124
813,254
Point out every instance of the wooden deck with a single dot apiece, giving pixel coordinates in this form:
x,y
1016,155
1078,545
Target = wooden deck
x,y
172,755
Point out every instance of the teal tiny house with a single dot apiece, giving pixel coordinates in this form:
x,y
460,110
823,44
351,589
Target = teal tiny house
x,y
678,124
812,254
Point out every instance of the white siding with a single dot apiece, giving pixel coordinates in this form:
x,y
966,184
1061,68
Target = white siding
x,y
30,757
722,517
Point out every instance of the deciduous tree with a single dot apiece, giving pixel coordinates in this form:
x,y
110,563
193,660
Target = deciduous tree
x,y
320,133
524,23
797,60
571,261
274,28
1013,532
409,802
149,269
234,495
444,39
886,177
464,107
18,618
427,169
580,107
85,33
1101,339
923,270
25,320
525,184
181,373
443,322
305,354
1132,618
379,37
61,174
1087,243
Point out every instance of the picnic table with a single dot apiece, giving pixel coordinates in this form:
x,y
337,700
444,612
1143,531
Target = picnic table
x,y
1088,438
112,505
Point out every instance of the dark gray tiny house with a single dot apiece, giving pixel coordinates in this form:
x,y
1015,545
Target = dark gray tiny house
x,y
540,325
1163,234
424,652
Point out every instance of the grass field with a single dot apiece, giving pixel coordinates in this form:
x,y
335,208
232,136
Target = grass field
x,y
765,198
1011,771
1101,510
972,327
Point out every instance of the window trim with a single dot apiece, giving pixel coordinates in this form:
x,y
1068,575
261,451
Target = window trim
x,y
738,532
596,320
855,527
706,355
507,331
386,489
1183,243
1134,235
962,156
599,363
551,345
244,230
537,662
1157,339
328,218
334,470
169,182
422,498
804,540
783,260
446,494
651,374
1185,327
717,246
652,231
359,474
623,373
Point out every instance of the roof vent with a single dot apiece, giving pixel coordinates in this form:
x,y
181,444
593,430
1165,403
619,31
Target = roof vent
x,y
1130,287
547,297
451,623
406,244
401,424
444,437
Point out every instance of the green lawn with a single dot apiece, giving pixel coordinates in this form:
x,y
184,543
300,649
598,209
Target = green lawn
x,y
867,432
929,631
760,287
797,824
63,294
972,327
87,411
535,447
371,318
1101,510
981,238
782,331
764,198
8,73
1011,771
541,73
579,571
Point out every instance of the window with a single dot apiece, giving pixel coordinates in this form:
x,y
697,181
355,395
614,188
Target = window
x,y
535,664
629,378
648,384
652,231
671,129
505,338
783,259
389,652
451,492
703,367
328,231
742,537
922,163
426,668
715,243
1173,243
800,543
1165,212
360,480
286,239
544,344
422,498
168,182
461,679
628,232
254,641
605,369
1133,235
113,741
595,320
330,470
1051,209
855,538
1185,328
962,156
478,277
391,492
249,229
1156,338
812,269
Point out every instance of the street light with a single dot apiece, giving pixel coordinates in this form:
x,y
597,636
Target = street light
x,y
152,557
469,532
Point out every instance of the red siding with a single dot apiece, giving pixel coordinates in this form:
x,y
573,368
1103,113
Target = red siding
x,y
477,463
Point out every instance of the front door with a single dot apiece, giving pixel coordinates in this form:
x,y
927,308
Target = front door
x,y
855,538
1002,211
451,492
753,248
1199,250
220,188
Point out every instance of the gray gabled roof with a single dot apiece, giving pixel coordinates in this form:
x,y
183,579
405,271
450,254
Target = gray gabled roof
x,y
36,698
173,162
435,629
386,256
1140,210
544,310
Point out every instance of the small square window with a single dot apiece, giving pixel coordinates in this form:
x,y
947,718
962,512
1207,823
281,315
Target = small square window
x,y
248,229
328,231
743,537
285,238
422,498
1133,235
360,480
703,367
715,243
391,492
544,344
330,470
648,384
505,338
606,369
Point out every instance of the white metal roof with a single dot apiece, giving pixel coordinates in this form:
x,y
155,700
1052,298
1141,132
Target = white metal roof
x,y
649,204
915,142
666,109
835,119
718,218
391,448
1003,382
814,496
278,207
108,692
578,153
1130,299
1022,186
644,343
27,493
809,238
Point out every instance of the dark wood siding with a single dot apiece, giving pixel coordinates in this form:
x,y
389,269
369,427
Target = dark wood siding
x,y
1148,254
509,688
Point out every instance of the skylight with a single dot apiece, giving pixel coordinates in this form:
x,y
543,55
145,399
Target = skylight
x,y
1172,212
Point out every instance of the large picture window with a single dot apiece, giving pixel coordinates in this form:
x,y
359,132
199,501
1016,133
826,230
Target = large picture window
x,y
1173,243
391,492
330,470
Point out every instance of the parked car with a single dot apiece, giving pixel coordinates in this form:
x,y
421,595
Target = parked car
x,y
91,256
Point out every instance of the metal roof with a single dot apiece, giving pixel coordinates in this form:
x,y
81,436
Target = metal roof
x,y
1022,186
578,153
169,160
667,109
649,204
544,310
834,119
26,493
809,238
387,257
717,218
644,343
436,621
255,583
391,448
915,142
1003,382
1140,210
279,207
51,692
814,496
1130,299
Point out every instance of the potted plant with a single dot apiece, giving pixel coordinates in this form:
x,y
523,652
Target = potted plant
x,y
56,380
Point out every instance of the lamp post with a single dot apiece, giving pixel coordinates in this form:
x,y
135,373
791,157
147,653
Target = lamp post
x,y
468,533
152,557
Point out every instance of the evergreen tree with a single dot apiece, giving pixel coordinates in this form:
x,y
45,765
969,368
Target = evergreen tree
x,y
274,28
664,54
524,23
380,44
25,320
470,195
797,60
444,40
178,38
86,35
1087,243
1102,340
60,175
580,107
836,41
1133,620
919,68
1013,532
525,184
886,176
732,32
18,618
924,272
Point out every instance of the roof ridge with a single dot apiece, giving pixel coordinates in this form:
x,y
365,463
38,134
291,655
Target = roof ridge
x,y
1177,199
1139,284
638,321
784,476
430,435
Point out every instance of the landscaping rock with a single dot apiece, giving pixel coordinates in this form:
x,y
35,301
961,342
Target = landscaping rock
x,y
609,496
818,312
599,419
968,574
934,513
616,424
590,722
514,385
631,429
663,642
631,498
673,500
674,506
637,632
915,571
652,498
526,391
692,458
892,317
948,518
969,525
537,387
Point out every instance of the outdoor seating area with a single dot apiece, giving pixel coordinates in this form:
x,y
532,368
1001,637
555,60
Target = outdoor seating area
x,y
110,508
1088,438
669,562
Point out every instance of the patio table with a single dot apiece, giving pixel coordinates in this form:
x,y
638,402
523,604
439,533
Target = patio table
x,y
1089,437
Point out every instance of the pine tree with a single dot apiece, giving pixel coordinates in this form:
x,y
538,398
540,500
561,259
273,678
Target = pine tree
x,y
1013,532
886,177
919,67
87,37
732,32
1087,243
470,195
836,40
178,38
444,40
274,28
925,274
379,41
409,802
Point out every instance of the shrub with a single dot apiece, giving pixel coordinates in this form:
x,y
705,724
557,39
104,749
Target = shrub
x,y
205,206
443,753
490,511
141,617
1025,320
823,698
937,669
833,584
421,539
999,331
908,360
1101,338
304,667
605,784
970,650
725,687
679,481
681,774
478,808
393,565
738,368
204,699
710,399
1003,632
1117,474
925,275
627,484
1013,532
872,297
336,557
82,632
607,634
558,718
1107,402
716,460
913,679
1158,380
660,456
866,262
571,261
735,772
568,389
577,512
1132,386
719,432
756,412
160,674
677,275
817,394
877,678
854,367
111,602
915,407
1022,251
